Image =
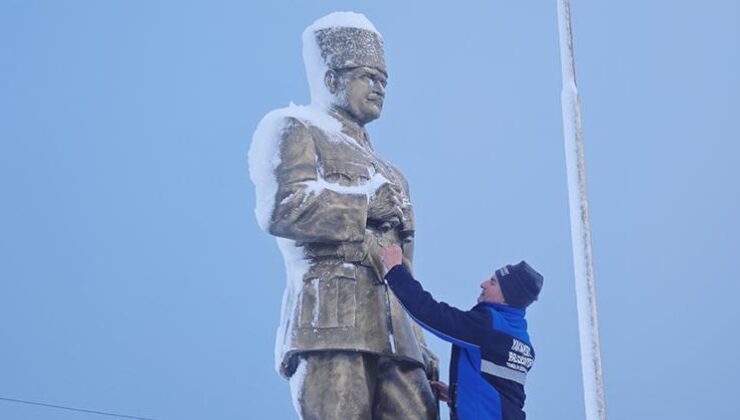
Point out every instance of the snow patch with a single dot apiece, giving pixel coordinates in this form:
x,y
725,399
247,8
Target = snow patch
x,y
367,189
343,20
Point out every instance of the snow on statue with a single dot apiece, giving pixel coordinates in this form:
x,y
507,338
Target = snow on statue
x,y
346,344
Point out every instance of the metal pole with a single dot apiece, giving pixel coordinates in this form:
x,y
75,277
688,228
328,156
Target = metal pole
x,y
588,325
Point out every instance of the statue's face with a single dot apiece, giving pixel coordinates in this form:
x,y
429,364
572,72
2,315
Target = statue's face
x,y
359,91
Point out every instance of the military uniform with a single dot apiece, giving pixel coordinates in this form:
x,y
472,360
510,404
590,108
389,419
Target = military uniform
x,y
336,299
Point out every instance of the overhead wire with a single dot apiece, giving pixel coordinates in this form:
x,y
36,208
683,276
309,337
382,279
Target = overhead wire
x,y
81,410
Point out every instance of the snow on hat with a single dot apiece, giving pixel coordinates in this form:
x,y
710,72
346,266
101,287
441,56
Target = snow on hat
x,y
338,41
343,48
520,284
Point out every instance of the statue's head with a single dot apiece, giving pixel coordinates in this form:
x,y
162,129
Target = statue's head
x,y
345,65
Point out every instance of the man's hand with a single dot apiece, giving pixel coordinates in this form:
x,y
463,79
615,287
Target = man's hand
x,y
385,207
391,256
441,390
371,248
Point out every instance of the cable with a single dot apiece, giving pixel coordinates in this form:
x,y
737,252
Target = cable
x,y
82,410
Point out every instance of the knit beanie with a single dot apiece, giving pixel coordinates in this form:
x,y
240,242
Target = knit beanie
x,y
520,284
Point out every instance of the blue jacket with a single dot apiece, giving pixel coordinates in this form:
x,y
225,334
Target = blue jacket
x,y
491,350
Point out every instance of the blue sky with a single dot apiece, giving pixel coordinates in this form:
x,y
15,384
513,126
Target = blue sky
x,y
134,278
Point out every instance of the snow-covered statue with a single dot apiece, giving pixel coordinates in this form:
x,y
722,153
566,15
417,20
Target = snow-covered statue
x,y
345,342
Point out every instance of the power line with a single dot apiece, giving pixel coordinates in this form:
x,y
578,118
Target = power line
x,y
81,410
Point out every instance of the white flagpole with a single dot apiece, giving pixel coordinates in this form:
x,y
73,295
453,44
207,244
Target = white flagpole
x,y
588,325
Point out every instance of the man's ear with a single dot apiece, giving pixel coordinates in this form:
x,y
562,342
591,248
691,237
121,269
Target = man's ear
x,y
331,80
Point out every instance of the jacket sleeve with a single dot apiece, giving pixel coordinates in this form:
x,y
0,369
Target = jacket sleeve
x,y
306,208
463,328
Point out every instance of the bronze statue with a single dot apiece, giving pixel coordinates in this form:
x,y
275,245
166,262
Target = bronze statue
x,y
345,342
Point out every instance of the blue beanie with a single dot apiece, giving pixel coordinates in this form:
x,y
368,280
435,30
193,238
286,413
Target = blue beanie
x,y
520,284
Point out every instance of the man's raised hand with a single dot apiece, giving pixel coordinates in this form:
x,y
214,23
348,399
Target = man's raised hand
x,y
391,256
441,390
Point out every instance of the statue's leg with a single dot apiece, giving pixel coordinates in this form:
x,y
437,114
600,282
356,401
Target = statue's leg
x,y
402,391
333,385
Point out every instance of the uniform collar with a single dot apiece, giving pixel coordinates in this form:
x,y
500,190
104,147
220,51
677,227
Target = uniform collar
x,y
351,128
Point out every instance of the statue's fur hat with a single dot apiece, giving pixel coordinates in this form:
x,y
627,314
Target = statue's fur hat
x,y
343,48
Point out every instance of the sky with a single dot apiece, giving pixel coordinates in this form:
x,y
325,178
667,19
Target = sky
x,y
134,278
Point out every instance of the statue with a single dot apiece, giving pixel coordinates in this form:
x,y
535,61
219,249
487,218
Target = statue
x,y
345,342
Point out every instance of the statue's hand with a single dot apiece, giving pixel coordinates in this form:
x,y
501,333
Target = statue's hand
x,y
385,210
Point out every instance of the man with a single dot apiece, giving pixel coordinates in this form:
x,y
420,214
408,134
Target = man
x,y
491,350
348,347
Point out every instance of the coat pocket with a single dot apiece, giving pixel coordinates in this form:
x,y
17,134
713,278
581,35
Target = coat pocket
x,y
328,298
344,172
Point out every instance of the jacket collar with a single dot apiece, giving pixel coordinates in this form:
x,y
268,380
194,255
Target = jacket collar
x,y
351,128
507,309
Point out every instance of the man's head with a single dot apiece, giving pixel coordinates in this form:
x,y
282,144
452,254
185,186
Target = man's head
x,y
516,285
491,291
345,65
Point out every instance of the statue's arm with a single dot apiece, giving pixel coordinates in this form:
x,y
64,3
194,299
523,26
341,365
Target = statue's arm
x,y
307,209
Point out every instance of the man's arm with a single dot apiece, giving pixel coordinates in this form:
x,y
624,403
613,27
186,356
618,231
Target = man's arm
x,y
464,328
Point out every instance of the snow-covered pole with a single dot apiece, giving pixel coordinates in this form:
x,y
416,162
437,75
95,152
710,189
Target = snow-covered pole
x,y
580,224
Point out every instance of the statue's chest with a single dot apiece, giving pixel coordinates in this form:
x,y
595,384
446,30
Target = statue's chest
x,y
343,161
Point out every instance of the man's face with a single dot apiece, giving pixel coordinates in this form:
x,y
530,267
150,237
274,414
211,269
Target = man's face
x,y
491,291
360,92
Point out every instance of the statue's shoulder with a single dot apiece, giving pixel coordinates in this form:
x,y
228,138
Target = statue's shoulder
x,y
296,120
293,125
